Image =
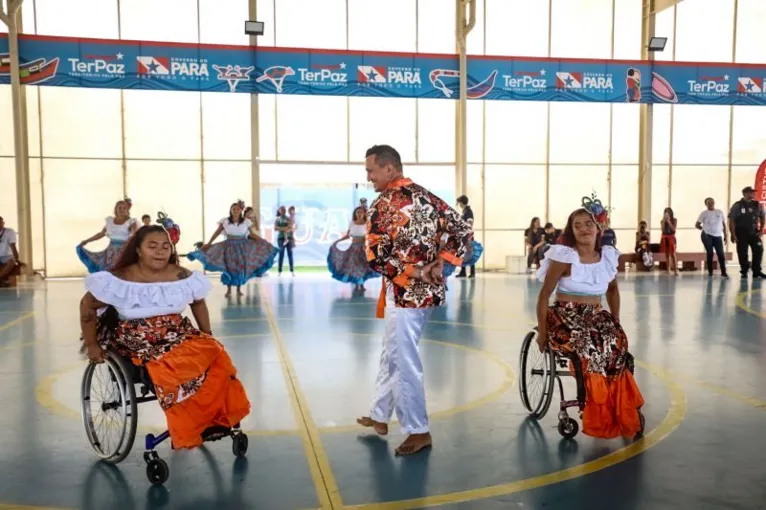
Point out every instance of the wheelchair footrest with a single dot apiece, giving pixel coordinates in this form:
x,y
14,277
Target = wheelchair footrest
x,y
215,433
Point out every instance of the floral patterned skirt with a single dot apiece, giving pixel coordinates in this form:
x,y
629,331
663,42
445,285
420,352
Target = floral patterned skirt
x,y
472,256
237,259
103,260
613,399
194,379
350,265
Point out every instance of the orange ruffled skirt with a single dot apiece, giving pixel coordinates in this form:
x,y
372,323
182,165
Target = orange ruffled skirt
x,y
612,399
194,378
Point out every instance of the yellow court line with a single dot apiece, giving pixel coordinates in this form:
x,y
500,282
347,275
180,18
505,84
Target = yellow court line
x,y
326,486
675,415
18,320
742,305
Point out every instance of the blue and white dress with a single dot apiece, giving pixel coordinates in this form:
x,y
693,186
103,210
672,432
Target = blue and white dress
x,y
118,234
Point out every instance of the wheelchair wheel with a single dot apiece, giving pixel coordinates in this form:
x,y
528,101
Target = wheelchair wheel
x,y
536,377
109,409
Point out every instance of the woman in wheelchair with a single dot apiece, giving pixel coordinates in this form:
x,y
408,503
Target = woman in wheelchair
x,y
580,271
135,309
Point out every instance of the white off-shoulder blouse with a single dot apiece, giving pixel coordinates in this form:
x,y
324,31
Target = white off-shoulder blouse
x,y
134,300
585,279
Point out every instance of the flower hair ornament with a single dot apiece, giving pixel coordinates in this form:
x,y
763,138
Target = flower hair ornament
x,y
596,209
174,230
128,202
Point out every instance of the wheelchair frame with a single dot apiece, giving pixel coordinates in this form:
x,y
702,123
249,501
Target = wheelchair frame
x,y
125,376
553,368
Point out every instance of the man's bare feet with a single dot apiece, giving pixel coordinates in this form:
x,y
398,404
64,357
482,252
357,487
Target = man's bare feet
x,y
380,428
414,443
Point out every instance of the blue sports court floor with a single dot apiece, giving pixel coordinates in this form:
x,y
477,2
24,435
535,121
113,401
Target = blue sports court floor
x,y
307,350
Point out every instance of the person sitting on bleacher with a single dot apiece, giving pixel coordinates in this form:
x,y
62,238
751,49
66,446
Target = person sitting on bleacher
x,y
10,265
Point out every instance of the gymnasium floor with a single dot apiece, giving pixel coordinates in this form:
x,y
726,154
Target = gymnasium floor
x,y
307,350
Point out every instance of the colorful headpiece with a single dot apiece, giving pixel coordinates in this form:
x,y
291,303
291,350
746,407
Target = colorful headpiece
x,y
129,202
172,227
596,209
241,204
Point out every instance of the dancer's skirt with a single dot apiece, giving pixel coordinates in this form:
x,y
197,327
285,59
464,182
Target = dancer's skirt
x,y
238,260
103,260
471,258
613,399
350,265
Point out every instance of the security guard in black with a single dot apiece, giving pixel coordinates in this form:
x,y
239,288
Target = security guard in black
x,y
746,223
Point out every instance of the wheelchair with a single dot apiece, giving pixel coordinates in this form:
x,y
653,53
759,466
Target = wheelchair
x,y
110,404
540,371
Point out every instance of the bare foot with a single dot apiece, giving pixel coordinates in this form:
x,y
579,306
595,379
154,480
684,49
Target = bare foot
x,y
380,428
239,292
414,443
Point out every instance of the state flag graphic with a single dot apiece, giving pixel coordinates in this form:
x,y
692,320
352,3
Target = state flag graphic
x,y
371,74
746,85
566,80
154,65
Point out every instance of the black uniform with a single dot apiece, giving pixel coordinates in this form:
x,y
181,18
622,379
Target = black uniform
x,y
748,219
467,215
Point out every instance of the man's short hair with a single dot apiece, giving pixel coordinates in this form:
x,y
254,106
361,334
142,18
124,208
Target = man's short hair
x,y
462,199
708,198
385,155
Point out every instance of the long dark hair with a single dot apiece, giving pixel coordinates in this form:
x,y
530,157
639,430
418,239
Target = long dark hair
x,y
567,237
241,214
106,324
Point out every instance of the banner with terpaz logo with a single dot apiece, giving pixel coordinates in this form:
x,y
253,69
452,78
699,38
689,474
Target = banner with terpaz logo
x,y
98,63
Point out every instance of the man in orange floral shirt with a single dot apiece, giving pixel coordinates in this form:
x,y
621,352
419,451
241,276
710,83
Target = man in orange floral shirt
x,y
410,233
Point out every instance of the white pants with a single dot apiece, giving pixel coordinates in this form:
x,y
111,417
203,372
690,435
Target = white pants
x,y
400,378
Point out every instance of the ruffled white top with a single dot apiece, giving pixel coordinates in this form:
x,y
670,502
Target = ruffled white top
x,y
356,230
118,232
585,279
235,230
134,300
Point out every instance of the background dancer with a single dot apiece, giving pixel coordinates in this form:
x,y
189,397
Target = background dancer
x,y
285,238
118,229
242,256
350,266
405,228
474,250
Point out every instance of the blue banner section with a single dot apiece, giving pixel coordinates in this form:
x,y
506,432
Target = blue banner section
x,y
120,64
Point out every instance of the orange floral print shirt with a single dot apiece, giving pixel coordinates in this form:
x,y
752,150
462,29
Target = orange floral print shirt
x,y
405,226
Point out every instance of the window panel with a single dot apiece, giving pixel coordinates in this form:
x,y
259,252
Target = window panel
x,y
6,121
8,202
309,174
439,180
569,184
88,18
741,176
626,130
574,141
688,239
498,245
513,35
475,39
223,21
225,182
436,130
265,12
581,29
691,185
660,196
27,19
749,140
162,125
624,200
695,24
475,196
391,13
511,193
516,131
65,131
318,136
751,18
267,126
33,121
170,20
701,134
661,133
475,130
79,194
375,121
626,239
436,26
664,21
226,125
311,24
627,29
183,204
